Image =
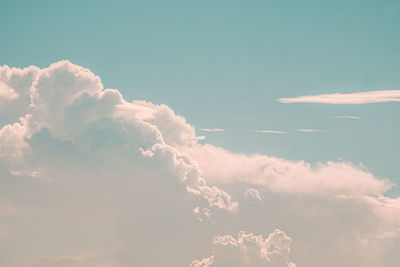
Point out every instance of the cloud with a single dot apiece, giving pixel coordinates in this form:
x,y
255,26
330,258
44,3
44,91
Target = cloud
x,y
12,140
249,250
309,130
83,169
346,117
252,193
296,177
271,131
212,130
244,119
7,93
78,141
347,98
71,262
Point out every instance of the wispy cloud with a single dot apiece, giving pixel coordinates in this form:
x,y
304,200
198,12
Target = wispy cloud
x,y
346,117
244,119
271,131
212,130
309,130
347,98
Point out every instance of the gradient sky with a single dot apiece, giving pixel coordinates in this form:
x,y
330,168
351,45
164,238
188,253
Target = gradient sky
x,y
223,64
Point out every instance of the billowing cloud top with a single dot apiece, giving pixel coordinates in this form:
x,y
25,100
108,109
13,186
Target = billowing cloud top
x,y
249,250
91,179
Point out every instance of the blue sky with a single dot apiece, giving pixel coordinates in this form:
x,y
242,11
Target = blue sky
x,y
97,180
219,63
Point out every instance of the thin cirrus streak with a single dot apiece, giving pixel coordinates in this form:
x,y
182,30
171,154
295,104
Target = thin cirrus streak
x,y
271,131
212,130
346,117
379,96
309,130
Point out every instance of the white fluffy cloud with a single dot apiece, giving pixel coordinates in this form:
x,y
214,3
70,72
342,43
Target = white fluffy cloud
x,y
95,180
7,93
249,250
325,179
66,98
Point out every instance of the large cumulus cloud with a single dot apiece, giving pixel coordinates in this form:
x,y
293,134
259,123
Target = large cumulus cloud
x,y
88,178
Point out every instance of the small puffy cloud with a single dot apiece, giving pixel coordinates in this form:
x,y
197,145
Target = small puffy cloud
x,y
12,140
7,93
15,92
347,98
249,250
252,193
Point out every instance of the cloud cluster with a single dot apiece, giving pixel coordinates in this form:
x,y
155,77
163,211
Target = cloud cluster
x,y
88,178
66,99
249,250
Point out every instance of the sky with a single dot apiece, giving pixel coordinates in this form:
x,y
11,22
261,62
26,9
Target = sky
x,y
211,133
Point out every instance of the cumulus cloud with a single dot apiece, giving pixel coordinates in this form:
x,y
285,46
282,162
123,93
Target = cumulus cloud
x,y
347,98
12,140
73,128
83,169
66,98
15,92
7,93
279,175
249,250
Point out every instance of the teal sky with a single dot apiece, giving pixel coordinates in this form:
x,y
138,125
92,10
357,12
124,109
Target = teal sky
x,y
222,64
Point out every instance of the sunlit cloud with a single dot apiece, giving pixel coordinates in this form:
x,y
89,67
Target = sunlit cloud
x,y
309,131
141,184
347,98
